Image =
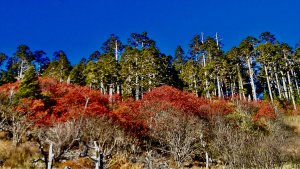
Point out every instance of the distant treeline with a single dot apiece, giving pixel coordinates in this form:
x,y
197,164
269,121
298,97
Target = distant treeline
x,y
258,68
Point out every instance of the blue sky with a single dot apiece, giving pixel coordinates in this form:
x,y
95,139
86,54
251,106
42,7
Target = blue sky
x,y
79,27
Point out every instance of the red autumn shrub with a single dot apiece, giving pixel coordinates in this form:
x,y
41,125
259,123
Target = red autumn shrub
x,y
169,102
62,101
7,89
130,117
73,101
265,110
188,102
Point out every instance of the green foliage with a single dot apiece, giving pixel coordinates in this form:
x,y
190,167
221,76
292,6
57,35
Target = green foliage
x,y
90,73
3,57
29,87
60,67
7,77
77,75
24,53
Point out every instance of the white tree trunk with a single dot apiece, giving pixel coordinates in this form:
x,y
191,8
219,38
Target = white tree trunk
x,y
102,90
195,86
137,87
268,82
231,90
241,86
50,156
116,51
296,81
20,76
98,156
110,93
207,160
219,87
278,84
118,89
284,86
69,80
291,90
205,73
251,79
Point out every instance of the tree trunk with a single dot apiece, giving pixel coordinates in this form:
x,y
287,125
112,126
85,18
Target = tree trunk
x,y
110,93
296,81
219,87
207,160
284,86
116,51
195,86
102,89
241,86
50,156
268,82
251,79
291,90
137,87
20,76
231,90
118,89
205,73
278,84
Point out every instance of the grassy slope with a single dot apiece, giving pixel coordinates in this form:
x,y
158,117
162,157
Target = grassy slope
x,y
292,145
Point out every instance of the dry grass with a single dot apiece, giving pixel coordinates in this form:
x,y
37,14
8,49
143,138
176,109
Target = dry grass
x,y
292,146
121,162
80,163
294,122
17,157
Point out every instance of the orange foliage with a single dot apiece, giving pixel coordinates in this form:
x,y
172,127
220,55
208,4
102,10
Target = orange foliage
x,y
7,88
70,100
64,101
136,115
265,110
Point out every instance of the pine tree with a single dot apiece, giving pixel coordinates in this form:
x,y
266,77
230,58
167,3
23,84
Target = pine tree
x,y
29,87
3,57
41,61
113,45
179,59
94,56
91,75
266,53
11,73
25,57
140,41
129,70
190,76
236,71
247,51
77,75
60,67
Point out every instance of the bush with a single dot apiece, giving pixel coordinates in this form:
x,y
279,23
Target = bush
x,y
240,148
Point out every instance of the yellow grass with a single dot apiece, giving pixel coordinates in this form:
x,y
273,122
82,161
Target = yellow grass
x,y
292,144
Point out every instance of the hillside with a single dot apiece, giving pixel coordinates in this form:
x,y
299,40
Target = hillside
x,y
166,128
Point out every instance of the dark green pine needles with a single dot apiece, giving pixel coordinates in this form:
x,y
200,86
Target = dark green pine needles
x,y
29,87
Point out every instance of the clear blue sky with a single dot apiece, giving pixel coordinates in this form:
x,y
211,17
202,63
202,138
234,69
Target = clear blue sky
x,y
79,27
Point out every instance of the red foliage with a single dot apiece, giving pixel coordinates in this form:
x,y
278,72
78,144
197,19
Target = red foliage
x,y
129,116
64,101
265,110
70,100
136,115
6,89
187,102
